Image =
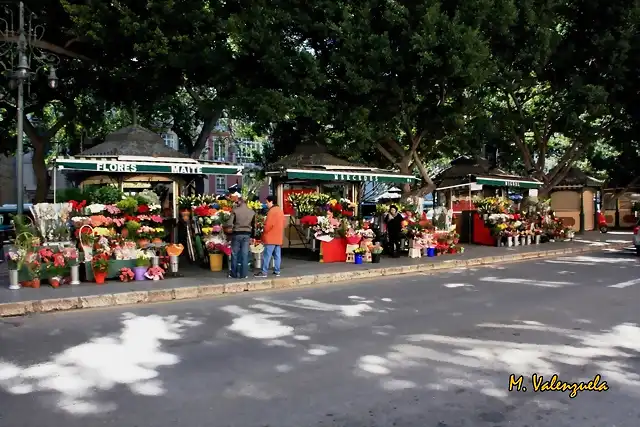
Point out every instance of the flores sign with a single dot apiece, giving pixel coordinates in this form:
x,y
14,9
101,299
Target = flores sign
x,y
133,167
355,177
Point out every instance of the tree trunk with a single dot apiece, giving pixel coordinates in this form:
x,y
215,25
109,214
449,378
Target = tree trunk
x,y
40,170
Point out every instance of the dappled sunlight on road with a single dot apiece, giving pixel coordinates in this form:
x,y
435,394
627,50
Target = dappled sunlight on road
x,y
75,376
485,364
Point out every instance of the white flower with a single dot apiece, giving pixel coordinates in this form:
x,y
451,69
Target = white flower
x,y
95,208
154,207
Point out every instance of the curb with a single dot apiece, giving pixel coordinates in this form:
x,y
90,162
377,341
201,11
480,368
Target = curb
x,y
193,292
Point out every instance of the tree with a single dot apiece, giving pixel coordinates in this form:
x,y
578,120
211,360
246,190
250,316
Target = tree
x,y
400,76
202,59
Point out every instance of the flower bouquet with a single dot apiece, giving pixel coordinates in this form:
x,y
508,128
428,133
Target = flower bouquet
x,y
155,273
324,230
126,275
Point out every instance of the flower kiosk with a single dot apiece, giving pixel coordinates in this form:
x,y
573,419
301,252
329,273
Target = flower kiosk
x,y
312,170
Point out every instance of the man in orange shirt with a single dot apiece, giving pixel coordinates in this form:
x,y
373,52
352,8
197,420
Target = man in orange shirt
x,y
272,237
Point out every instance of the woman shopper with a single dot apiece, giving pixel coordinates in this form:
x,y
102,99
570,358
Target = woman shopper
x,y
393,220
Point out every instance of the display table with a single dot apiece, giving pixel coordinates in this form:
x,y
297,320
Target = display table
x,y
333,251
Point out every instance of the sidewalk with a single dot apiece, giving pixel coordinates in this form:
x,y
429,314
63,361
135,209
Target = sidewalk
x,y
202,283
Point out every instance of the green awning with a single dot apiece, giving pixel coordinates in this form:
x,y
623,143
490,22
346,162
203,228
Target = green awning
x,y
121,166
501,182
349,176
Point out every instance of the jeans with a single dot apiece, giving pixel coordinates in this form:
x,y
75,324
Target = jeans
x,y
269,251
240,255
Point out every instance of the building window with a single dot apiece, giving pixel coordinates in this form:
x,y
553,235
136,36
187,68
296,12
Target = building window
x,y
221,184
170,140
219,150
245,152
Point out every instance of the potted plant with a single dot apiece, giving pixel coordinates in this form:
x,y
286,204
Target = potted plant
x,y
100,266
358,254
130,229
216,250
142,264
35,270
376,253
126,275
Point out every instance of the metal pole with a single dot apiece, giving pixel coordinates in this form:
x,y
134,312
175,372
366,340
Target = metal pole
x,y
20,130
19,148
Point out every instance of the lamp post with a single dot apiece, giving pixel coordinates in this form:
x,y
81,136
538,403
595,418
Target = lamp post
x,y
17,53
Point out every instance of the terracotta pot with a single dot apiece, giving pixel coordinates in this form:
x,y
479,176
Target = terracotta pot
x,y
143,242
54,282
124,233
186,215
35,283
100,277
157,240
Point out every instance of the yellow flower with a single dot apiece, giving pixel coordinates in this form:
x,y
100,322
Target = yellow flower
x,y
160,230
207,230
333,202
102,231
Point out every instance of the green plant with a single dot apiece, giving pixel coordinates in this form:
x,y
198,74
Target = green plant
x,y
132,227
148,197
106,195
377,249
142,261
128,205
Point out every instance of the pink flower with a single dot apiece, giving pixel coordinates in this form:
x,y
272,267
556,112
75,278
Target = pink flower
x,y
119,221
156,218
112,209
216,228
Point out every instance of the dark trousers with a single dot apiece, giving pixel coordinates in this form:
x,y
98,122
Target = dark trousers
x,y
394,244
240,255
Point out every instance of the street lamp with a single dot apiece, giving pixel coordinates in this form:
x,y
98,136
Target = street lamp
x,y
18,51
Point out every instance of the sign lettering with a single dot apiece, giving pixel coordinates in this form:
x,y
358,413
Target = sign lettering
x,y
116,167
186,169
354,177
512,183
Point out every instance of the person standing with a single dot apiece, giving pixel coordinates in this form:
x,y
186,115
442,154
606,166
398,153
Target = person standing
x,y
272,237
393,220
241,223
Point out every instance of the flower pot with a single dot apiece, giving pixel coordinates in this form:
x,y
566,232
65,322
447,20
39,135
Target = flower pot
x,y
528,240
509,241
257,261
143,243
157,240
215,262
357,259
155,261
55,281
33,283
431,252
186,215
516,241
99,277
14,284
375,258
537,239
138,273
75,274
485,216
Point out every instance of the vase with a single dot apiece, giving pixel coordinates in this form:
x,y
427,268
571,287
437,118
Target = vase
x,y
257,261
173,263
375,258
516,241
528,240
14,284
55,281
509,241
186,215
155,261
215,262
485,216
537,239
358,259
138,273
99,277
498,242
143,243
75,274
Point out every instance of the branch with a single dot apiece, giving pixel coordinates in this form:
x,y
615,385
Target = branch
x,y
424,173
619,193
398,149
567,158
41,44
205,132
526,154
386,154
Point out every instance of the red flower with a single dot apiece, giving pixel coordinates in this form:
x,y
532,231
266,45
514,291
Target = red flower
x,y
347,213
202,210
309,220
58,260
143,209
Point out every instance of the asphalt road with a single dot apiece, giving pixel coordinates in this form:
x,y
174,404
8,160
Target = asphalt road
x,y
414,351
